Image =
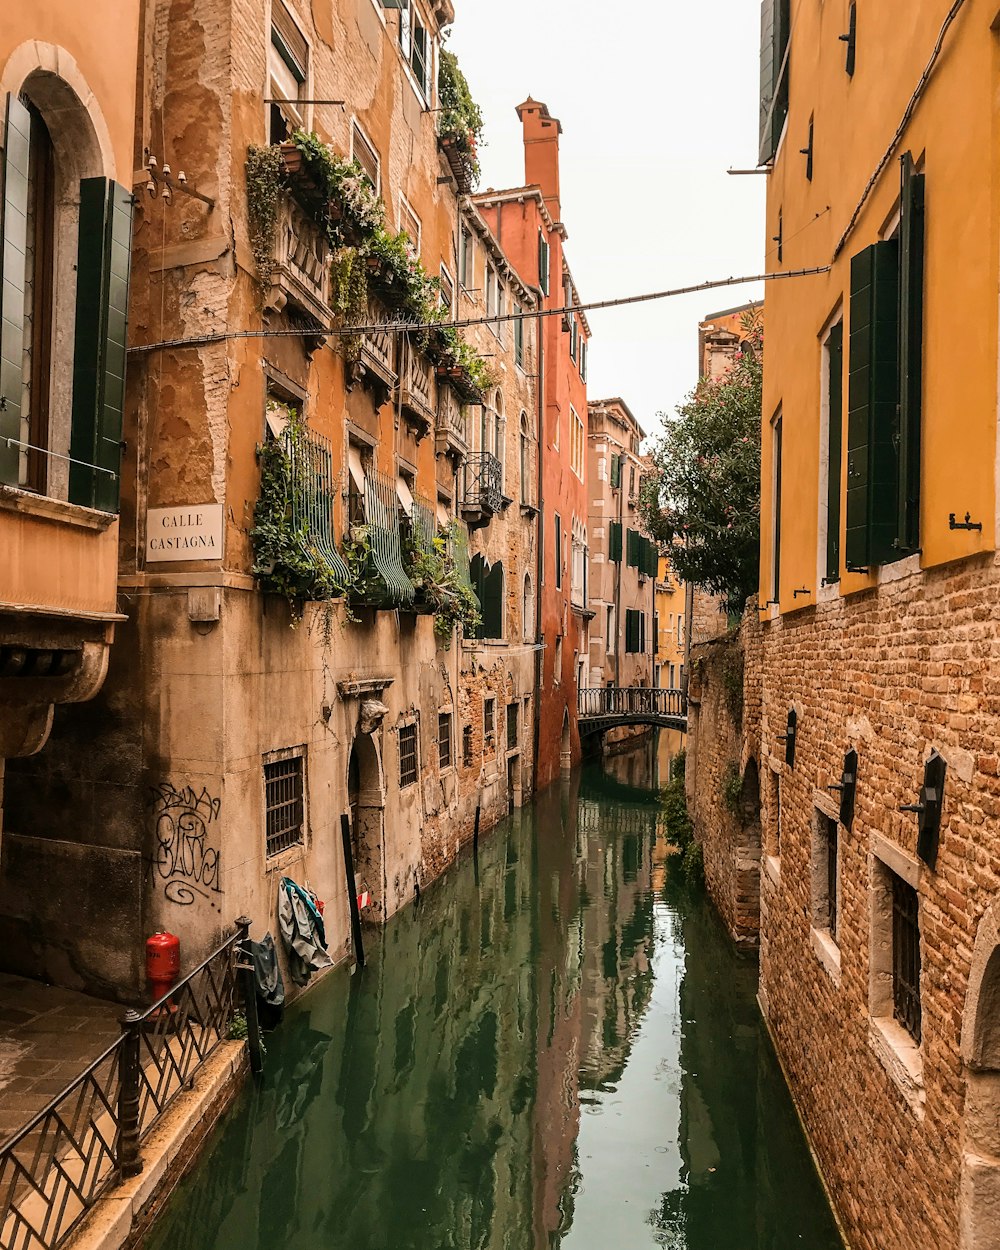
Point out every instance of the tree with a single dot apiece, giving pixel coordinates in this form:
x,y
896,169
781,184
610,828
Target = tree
x,y
701,499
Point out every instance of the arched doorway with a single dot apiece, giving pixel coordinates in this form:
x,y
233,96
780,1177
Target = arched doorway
x,y
366,796
979,1196
566,746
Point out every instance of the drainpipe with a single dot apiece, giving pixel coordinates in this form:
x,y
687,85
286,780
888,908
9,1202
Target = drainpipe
x,y
539,530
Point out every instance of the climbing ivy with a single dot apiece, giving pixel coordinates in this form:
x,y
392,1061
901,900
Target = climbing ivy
x,y
432,569
264,180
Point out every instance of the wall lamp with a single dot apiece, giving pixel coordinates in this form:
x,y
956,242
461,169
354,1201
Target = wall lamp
x,y
847,787
788,737
929,809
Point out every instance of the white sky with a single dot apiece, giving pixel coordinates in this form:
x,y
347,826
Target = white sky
x,y
656,101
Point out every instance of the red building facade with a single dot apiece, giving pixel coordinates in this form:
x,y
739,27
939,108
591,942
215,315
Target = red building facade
x,y
527,221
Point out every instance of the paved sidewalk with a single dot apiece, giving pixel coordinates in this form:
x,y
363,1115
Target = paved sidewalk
x,y
47,1037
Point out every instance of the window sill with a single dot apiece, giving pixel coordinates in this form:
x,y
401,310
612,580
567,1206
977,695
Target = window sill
x,y
285,859
41,506
827,952
900,1055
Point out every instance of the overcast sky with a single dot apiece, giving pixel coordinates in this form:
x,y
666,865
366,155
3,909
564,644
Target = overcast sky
x,y
657,101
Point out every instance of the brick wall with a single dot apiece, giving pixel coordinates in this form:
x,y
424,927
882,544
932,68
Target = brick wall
x,y
722,772
893,673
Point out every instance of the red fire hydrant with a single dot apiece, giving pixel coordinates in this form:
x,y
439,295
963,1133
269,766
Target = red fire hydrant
x,y
163,962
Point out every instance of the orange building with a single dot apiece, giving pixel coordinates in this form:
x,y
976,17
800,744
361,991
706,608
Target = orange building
x,y
527,220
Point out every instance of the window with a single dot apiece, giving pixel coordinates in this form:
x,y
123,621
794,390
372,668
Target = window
x,y
500,437
501,326
615,541
833,416
578,569
543,262
364,152
284,807
466,259
466,746
513,725
583,360
447,291
410,222
489,718
488,584
407,755
519,336
905,957
415,43
825,873
635,632
574,336
773,810
558,663
632,548
616,470
525,460
680,627
774,74
578,442
288,71
610,631
885,388
558,551
555,433
491,290
444,740
528,610
776,508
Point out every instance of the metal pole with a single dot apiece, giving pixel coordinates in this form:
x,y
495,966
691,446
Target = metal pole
x,y
129,1163
352,891
248,993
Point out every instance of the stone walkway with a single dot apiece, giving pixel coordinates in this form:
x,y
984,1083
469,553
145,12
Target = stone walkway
x,y
47,1037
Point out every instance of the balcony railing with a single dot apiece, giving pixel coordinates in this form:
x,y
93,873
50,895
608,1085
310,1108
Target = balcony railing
x,y
314,484
626,701
450,428
416,399
374,517
55,1168
301,272
482,496
378,350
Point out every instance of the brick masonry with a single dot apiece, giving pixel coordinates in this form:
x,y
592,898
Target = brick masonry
x,y
893,673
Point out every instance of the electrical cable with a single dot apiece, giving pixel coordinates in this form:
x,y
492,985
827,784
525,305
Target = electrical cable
x,y
409,327
907,115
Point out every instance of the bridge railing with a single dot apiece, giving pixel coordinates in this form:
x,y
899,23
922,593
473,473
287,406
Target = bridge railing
x,y
626,701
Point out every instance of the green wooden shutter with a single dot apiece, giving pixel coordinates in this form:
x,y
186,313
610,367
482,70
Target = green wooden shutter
x,y
493,602
13,242
615,541
775,30
873,386
632,549
834,441
631,632
102,280
911,318
477,575
616,470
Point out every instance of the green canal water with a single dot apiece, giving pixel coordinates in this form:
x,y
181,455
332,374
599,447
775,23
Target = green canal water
x,y
557,1047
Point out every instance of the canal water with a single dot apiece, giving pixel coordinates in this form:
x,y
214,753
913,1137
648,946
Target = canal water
x,y
557,1047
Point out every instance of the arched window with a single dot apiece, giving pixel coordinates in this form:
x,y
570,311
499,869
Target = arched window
x,y
528,611
525,460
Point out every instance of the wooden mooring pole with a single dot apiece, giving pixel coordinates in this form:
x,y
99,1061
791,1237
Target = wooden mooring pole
x,y
352,892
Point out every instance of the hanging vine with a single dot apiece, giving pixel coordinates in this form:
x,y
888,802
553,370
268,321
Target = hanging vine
x,y
263,171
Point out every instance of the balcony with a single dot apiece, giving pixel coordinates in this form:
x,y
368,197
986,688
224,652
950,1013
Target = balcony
x,y
416,389
300,275
378,355
373,510
450,428
482,495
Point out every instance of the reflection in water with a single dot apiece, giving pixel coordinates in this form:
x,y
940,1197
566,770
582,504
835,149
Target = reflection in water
x,y
557,1050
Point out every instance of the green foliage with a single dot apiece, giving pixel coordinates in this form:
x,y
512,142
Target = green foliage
x,y
693,865
432,569
287,560
732,787
461,119
676,820
264,174
238,1026
455,351
702,498
732,667
335,191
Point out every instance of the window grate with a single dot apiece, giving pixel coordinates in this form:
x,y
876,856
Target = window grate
x,y
407,755
467,746
444,739
283,804
513,725
905,957
489,719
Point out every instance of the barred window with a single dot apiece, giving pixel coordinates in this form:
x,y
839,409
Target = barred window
x,y
489,719
407,755
513,725
444,739
467,746
905,957
832,877
283,804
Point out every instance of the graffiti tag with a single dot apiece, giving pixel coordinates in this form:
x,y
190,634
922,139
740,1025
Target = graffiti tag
x,y
185,862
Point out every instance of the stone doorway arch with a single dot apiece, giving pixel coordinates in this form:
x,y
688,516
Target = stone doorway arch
x,y
366,797
979,1195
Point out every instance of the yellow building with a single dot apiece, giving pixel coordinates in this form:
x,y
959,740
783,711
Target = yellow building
x,y
879,579
671,599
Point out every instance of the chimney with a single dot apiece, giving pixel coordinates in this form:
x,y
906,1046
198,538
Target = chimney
x,y
541,152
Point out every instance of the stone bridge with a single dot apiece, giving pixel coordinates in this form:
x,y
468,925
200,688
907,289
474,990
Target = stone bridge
x,y
605,707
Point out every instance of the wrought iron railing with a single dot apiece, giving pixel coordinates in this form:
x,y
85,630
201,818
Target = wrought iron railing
x,y
483,482
87,1138
314,485
625,701
375,514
